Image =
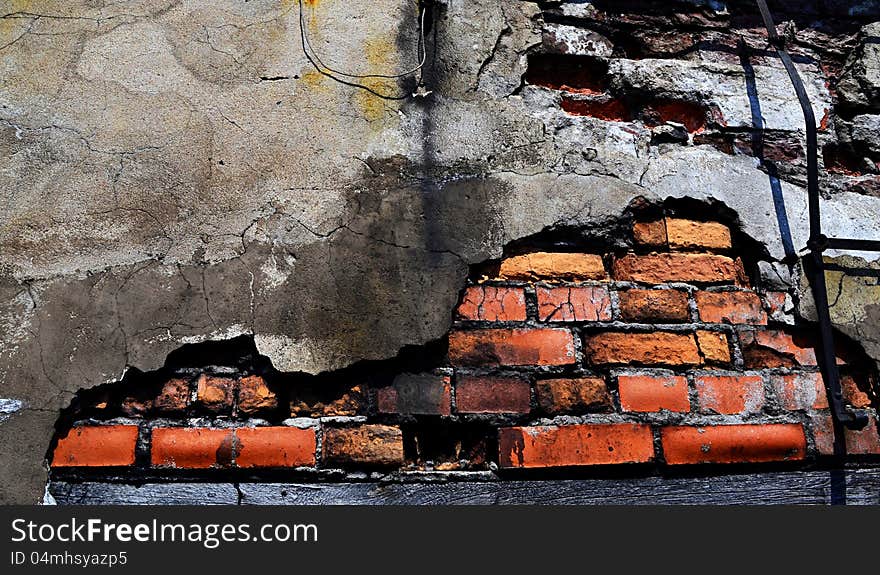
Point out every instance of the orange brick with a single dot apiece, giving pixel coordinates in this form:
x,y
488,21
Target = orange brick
x,y
735,307
730,394
575,445
553,267
275,447
489,347
688,234
865,441
492,394
800,391
97,446
488,303
852,388
192,448
379,445
714,346
576,395
254,396
733,443
647,393
650,233
655,348
653,305
584,303
771,348
215,393
662,268
174,396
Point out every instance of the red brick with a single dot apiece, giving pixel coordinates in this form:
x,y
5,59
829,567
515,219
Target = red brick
x,y
254,396
417,394
853,390
714,346
653,305
174,396
733,443
655,348
736,307
576,395
662,268
97,446
647,393
327,401
583,303
488,347
689,234
650,233
192,448
488,394
275,447
865,441
799,391
215,393
771,348
488,303
379,445
575,445
730,394
553,267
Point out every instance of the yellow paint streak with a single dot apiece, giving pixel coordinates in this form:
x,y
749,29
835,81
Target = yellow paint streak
x,y
313,79
380,54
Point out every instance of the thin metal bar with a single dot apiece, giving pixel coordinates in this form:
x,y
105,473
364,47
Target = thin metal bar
x,y
817,243
853,244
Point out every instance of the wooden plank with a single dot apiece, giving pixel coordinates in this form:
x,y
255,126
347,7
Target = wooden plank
x,y
95,493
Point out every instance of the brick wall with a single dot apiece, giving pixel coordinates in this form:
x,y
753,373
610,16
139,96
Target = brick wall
x,y
665,353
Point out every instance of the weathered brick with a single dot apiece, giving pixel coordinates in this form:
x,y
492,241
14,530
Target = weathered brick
x,y
651,233
865,441
799,391
174,396
653,305
733,443
489,303
689,234
735,307
579,303
417,394
648,393
771,348
380,445
215,393
553,267
327,401
853,389
575,395
488,347
714,346
677,267
575,445
655,348
137,403
192,448
254,396
275,447
492,394
97,446
729,394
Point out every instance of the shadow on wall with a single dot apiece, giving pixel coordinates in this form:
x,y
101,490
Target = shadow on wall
x,y
649,349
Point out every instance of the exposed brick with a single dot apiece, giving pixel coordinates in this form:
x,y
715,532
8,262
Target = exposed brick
x,y
688,234
416,393
733,443
647,393
215,393
327,401
97,446
865,441
575,445
362,445
575,395
730,394
771,348
580,303
677,267
651,234
714,346
653,305
254,396
275,447
553,266
799,391
511,347
736,307
192,448
490,394
853,390
174,396
775,303
655,348
489,303
138,403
